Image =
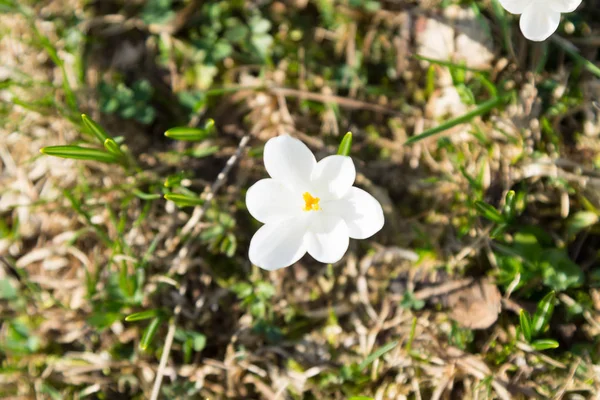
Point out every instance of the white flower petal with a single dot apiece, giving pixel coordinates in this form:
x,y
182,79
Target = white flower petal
x,y
289,161
361,212
564,6
279,244
327,238
333,176
515,6
269,200
538,23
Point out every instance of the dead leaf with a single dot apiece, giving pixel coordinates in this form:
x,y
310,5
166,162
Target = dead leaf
x,y
475,306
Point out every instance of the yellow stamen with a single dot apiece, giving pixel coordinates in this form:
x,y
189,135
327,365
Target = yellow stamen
x,y
310,203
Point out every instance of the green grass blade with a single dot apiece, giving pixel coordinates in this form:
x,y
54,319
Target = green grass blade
x,y
191,134
525,321
149,333
139,316
544,344
573,51
95,129
482,109
489,212
112,147
345,145
542,315
445,63
183,200
146,196
378,353
79,153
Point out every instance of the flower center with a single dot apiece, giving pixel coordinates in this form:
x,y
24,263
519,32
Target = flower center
x,y
310,203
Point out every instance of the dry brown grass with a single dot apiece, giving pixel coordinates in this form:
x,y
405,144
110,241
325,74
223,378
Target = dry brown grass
x,y
324,320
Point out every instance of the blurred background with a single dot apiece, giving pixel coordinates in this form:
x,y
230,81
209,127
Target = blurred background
x,y
124,271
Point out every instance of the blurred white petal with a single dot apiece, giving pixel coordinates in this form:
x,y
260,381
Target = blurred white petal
x,y
361,212
289,161
515,6
279,244
269,200
564,6
327,238
333,176
538,23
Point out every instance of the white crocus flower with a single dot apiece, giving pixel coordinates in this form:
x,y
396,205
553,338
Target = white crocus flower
x,y
540,18
307,206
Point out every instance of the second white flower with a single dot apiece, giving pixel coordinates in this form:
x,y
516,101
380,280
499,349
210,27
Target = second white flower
x,y
539,18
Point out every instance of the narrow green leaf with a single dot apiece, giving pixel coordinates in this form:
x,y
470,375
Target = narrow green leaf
x,y
580,221
525,320
542,315
95,129
146,196
149,333
482,109
183,200
378,353
7,291
411,338
360,398
112,147
510,205
489,212
446,63
79,153
544,344
202,152
191,134
498,230
573,51
209,125
142,315
345,145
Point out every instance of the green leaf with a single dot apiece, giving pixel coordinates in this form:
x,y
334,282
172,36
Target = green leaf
x,y
7,291
102,320
482,109
542,315
190,134
149,333
199,341
112,147
544,344
489,212
182,200
260,25
345,145
157,11
262,43
95,129
146,196
202,151
580,221
573,51
142,315
378,353
525,320
79,153
559,271
510,205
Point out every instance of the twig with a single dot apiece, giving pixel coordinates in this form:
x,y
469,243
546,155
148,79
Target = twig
x,y
341,101
182,253
569,380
